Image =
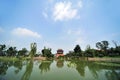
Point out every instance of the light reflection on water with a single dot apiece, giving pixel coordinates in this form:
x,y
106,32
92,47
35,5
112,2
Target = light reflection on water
x,y
57,70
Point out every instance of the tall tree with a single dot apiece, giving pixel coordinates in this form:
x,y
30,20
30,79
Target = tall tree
x,y
99,45
2,50
22,52
77,50
33,49
11,51
103,45
47,52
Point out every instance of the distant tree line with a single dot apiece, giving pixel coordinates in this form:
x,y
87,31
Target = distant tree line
x,y
13,52
102,50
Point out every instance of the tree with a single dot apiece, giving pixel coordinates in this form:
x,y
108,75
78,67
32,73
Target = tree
x,y
2,50
103,45
89,52
77,50
47,52
33,49
99,45
11,51
22,52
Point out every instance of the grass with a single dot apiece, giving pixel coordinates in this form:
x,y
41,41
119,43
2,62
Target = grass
x,y
14,58
108,64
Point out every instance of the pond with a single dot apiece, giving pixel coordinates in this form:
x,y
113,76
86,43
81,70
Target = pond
x,y
57,70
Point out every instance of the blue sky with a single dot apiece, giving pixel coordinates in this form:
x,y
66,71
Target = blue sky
x,y
59,23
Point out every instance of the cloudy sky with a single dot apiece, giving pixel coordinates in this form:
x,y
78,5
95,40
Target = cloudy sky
x,y
58,23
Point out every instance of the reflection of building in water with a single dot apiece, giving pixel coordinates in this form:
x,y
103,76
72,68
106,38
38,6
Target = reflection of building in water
x,y
60,63
59,53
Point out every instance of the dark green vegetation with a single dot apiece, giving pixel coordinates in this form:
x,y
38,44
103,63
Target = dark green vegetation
x,y
102,50
58,70
46,52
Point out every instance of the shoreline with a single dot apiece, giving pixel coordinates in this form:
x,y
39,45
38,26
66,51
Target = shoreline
x,y
104,59
109,59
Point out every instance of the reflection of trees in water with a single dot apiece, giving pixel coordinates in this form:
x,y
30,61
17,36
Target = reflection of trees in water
x,y
3,67
96,68
79,65
60,63
81,68
45,66
18,65
93,69
28,71
112,75
71,64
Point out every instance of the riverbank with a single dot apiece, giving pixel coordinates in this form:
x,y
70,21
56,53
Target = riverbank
x,y
105,59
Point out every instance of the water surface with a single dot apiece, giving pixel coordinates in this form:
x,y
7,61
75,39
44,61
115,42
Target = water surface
x,y
57,70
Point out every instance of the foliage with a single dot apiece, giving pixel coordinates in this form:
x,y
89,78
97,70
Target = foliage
x,y
33,47
2,50
22,52
47,52
11,51
77,51
103,45
89,52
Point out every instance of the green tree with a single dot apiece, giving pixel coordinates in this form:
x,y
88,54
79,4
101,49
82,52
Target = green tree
x,y
77,50
103,45
11,51
33,47
2,50
89,52
22,52
99,45
47,52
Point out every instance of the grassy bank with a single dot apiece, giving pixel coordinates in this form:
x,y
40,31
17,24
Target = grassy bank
x,y
105,59
13,58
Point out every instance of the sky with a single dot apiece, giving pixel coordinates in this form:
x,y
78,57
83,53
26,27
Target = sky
x,y
59,24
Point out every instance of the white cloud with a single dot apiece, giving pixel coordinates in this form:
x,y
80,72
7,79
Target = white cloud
x,y
64,11
25,32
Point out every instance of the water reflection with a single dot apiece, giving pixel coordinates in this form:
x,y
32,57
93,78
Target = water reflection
x,y
60,63
3,67
18,65
45,66
112,75
28,71
79,66
81,70
94,69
